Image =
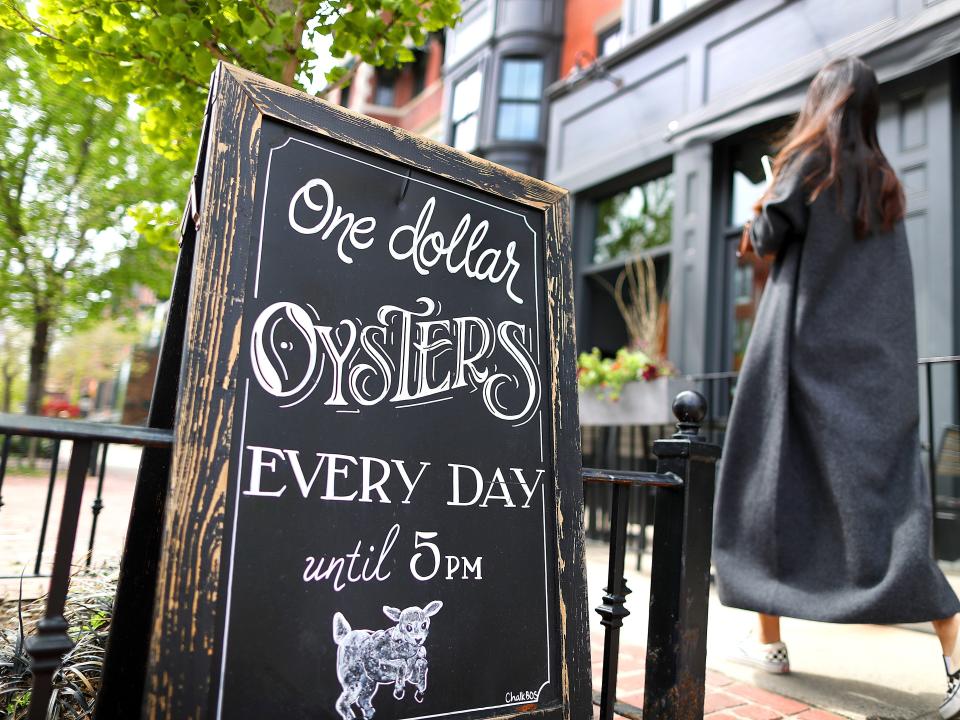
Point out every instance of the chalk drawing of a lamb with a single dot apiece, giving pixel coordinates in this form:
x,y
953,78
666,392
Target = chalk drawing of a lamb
x,y
367,659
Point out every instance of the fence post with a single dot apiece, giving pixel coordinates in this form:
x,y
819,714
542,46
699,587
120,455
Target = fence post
x,y
46,507
98,502
47,647
612,612
4,454
680,573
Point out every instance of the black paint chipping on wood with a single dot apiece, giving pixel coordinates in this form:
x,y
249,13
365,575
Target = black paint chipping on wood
x,y
187,659
128,646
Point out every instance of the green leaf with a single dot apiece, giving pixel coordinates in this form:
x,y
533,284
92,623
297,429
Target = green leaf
x,y
158,53
203,61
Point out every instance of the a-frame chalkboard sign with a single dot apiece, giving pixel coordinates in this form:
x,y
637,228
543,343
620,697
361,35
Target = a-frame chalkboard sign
x,y
375,501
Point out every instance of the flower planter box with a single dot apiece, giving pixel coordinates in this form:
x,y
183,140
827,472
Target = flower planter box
x,y
640,403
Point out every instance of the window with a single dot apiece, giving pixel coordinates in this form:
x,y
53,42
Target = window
x,y
747,180
345,95
521,92
474,28
633,220
466,106
664,10
609,41
632,234
419,69
744,193
384,94
747,275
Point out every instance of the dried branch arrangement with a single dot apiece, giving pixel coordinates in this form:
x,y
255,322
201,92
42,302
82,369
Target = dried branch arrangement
x,y
638,301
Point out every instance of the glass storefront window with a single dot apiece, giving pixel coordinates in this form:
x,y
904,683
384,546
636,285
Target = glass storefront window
x,y
466,106
521,91
634,220
748,181
743,194
743,284
748,274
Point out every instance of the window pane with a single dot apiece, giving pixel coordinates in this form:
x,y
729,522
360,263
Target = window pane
x,y
744,194
748,179
669,9
466,96
518,121
743,284
609,41
474,28
383,93
522,79
465,134
635,219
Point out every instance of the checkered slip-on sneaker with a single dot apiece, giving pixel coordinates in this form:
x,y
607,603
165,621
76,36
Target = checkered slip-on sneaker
x,y
950,707
770,657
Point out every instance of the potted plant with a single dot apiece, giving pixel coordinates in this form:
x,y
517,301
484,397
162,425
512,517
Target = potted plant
x,y
632,388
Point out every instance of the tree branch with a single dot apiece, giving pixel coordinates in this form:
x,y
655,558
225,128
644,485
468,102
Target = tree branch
x,y
290,67
263,13
351,73
100,53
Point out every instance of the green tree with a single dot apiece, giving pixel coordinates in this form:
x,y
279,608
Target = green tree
x,y
162,52
13,354
95,353
70,167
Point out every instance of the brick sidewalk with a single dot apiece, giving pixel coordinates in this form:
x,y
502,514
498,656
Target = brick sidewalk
x,y
726,699
23,499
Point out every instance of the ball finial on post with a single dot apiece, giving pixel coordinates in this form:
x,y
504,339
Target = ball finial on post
x,y
690,408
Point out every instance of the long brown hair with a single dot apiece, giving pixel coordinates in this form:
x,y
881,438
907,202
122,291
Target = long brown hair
x,y
838,122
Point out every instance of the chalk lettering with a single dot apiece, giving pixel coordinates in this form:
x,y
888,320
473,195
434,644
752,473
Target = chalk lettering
x,y
408,359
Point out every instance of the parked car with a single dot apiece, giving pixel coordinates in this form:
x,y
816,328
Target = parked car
x,y
57,405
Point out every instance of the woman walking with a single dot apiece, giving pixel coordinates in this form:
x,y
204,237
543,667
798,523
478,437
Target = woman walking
x,y
823,512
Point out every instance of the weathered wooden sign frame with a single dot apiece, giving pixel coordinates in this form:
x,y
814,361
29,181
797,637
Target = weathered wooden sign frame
x,y
182,680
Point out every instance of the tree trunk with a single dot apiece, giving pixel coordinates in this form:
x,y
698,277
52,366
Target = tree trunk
x,y
293,43
39,350
7,401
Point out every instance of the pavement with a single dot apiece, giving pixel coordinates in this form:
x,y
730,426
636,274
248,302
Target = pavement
x,y
851,671
21,518
847,671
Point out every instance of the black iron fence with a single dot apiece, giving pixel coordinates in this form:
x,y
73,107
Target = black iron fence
x,y
683,479
46,457
683,486
48,645
629,447
634,494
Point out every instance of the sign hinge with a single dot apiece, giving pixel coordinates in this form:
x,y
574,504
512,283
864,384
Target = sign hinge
x,y
191,211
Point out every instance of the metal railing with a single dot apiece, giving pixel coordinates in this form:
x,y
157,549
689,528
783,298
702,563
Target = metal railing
x,y
680,573
676,655
629,447
928,364
47,647
619,506
97,468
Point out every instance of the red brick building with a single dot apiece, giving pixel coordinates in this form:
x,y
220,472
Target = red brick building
x,y
591,30
410,97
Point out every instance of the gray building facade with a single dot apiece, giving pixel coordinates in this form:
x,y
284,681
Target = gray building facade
x,y
694,102
499,59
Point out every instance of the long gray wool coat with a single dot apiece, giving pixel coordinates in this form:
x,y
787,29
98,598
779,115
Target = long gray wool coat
x,y
822,509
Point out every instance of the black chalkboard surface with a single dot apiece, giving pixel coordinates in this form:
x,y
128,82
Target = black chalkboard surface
x,y
375,494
